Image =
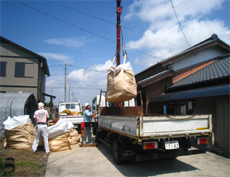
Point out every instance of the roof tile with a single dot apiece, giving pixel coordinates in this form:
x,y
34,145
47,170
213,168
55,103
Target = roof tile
x,y
216,70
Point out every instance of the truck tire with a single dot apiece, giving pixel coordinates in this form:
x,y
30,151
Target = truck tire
x,y
97,136
117,152
79,129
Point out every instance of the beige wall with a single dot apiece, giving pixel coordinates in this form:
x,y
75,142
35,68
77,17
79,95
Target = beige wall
x,y
31,72
34,80
19,89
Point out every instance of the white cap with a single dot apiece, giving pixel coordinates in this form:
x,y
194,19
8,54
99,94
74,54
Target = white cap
x,y
40,105
86,104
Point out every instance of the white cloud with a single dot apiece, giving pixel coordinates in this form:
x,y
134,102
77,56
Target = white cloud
x,y
94,75
75,42
81,84
56,56
136,61
84,84
163,25
158,10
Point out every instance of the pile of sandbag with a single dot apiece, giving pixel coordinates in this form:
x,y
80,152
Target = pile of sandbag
x,y
62,135
20,134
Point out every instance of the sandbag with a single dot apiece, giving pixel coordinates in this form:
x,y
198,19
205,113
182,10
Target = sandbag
x,y
64,141
21,137
62,126
74,137
121,83
59,143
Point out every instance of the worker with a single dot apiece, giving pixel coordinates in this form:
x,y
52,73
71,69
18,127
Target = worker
x,y
41,118
88,115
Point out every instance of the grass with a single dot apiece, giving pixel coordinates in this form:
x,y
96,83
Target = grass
x,y
1,138
26,164
2,172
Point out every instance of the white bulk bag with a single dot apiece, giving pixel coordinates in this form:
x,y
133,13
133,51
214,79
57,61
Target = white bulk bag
x,y
121,83
62,126
15,121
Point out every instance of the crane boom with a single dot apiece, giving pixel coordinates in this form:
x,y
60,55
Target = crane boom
x,y
119,10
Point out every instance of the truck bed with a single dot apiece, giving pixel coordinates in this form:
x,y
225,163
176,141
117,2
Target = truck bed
x,y
75,120
160,126
132,135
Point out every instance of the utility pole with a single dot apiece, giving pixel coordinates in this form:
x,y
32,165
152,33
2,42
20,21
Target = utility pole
x,y
72,96
69,93
65,69
119,10
65,85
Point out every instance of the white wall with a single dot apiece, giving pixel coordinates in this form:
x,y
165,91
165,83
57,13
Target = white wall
x,y
198,57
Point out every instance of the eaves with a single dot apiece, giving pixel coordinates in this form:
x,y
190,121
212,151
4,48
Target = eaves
x,y
154,78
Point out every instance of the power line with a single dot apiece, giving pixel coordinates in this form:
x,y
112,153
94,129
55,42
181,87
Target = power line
x,y
82,12
65,21
79,67
179,23
57,87
92,85
89,69
109,22
81,28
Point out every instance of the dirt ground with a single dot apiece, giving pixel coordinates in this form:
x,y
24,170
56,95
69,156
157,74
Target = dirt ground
x,y
34,164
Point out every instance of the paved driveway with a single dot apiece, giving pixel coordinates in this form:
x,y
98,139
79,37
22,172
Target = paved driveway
x,y
98,161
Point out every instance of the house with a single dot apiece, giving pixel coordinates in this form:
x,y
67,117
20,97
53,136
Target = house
x,y
22,70
195,81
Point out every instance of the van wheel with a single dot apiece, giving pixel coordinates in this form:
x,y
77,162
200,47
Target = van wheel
x,y
117,152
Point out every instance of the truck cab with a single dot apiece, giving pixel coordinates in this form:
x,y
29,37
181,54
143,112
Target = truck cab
x,y
72,106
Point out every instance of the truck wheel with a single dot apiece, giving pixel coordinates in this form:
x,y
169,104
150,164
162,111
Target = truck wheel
x,y
94,131
117,152
97,136
79,129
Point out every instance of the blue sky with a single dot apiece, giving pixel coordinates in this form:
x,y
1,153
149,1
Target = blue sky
x,y
83,34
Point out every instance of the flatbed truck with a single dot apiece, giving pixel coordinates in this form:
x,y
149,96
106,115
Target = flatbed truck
x,y
133,135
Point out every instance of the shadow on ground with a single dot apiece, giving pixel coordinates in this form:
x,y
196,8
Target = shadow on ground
x,y
147,168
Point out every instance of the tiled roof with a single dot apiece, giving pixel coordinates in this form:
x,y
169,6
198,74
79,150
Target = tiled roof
x,y
216,70
148,80
209,41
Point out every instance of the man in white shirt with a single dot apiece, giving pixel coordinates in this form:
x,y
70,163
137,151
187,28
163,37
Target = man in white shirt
x,y
41,117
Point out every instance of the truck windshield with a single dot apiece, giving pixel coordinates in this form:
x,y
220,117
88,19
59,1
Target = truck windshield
x,y
67,106
72,106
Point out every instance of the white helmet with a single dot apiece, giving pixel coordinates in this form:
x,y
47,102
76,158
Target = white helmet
x,y
86,104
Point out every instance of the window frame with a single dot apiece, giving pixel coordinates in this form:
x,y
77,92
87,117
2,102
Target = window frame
x,y
5,63
17,71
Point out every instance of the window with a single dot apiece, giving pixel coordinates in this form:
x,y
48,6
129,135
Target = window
x,y
67,106
180,108
3,69
72,106
19,69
